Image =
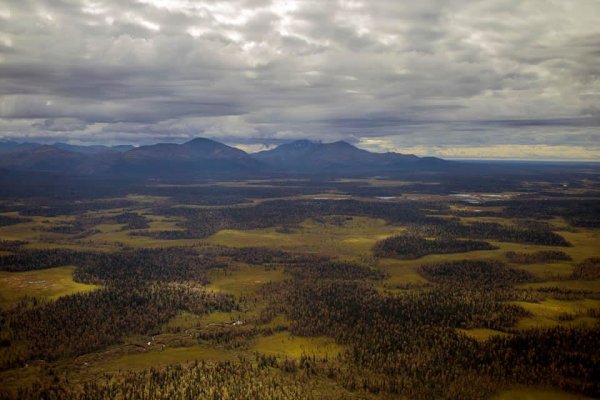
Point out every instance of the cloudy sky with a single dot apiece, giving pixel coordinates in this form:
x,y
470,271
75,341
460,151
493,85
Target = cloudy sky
x,y
453,78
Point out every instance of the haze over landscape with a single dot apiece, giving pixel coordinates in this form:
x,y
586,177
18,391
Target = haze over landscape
x,y
498,79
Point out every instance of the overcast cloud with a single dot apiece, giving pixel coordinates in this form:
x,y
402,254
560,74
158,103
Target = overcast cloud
x,y
455,78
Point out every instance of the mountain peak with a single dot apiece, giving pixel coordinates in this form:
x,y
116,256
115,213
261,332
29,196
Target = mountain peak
x,y
340,144
201,141
341,157
303,142
203,157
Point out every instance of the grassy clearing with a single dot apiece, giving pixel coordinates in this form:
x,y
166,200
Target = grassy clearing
x,y
497,254
285,344
35,229
585,246
400,273
77,246
547,270
109,238
352,237
592,286
497,220
277,322
481,334
158,357
44,284
182,321
113,236
220,317
547,313
243,280
186,320
586,243
146,199
536,394
159,223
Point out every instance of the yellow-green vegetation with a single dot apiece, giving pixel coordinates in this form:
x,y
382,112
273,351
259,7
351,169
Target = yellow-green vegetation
x,y
285,344
316,306
335,236
157,356
400,273
44,284
183,320
592,286
139,198
109,237
586,239
33,230
496,220
278,321
586,243
220,317
547,270
159,223
244,279
553,312
187,320
481,334
114,236
536,394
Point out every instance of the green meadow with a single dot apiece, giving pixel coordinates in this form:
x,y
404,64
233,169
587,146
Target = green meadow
x,y
45,284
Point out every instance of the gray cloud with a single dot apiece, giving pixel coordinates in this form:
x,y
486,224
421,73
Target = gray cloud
x,y
430,73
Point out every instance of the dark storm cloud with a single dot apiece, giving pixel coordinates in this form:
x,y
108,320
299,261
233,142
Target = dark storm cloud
x,y
385,75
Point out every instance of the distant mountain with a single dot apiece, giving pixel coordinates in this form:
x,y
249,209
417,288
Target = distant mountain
x,y
92,149
205,158
10,146
304,156
123,147
198,157
43,158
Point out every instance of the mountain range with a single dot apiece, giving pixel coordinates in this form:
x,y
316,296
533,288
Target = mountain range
x,y
205,158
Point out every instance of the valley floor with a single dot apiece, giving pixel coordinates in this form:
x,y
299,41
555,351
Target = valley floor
x,y
358,288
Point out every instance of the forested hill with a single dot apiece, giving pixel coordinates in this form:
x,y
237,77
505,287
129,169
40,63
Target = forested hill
x,y
205,158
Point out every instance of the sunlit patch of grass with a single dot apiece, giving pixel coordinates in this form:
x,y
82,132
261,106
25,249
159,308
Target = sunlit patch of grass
x,y
109,228
481,334
75,246
169,355
185,320
44,284
399,273
243,280
552,312
339,237
591,286
35,229
116,237
158,223
547,270
285,344
182,321
496,220
110,237
140,198
279,321
586,243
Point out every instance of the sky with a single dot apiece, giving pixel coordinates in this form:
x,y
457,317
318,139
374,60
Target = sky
x,y
517,79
